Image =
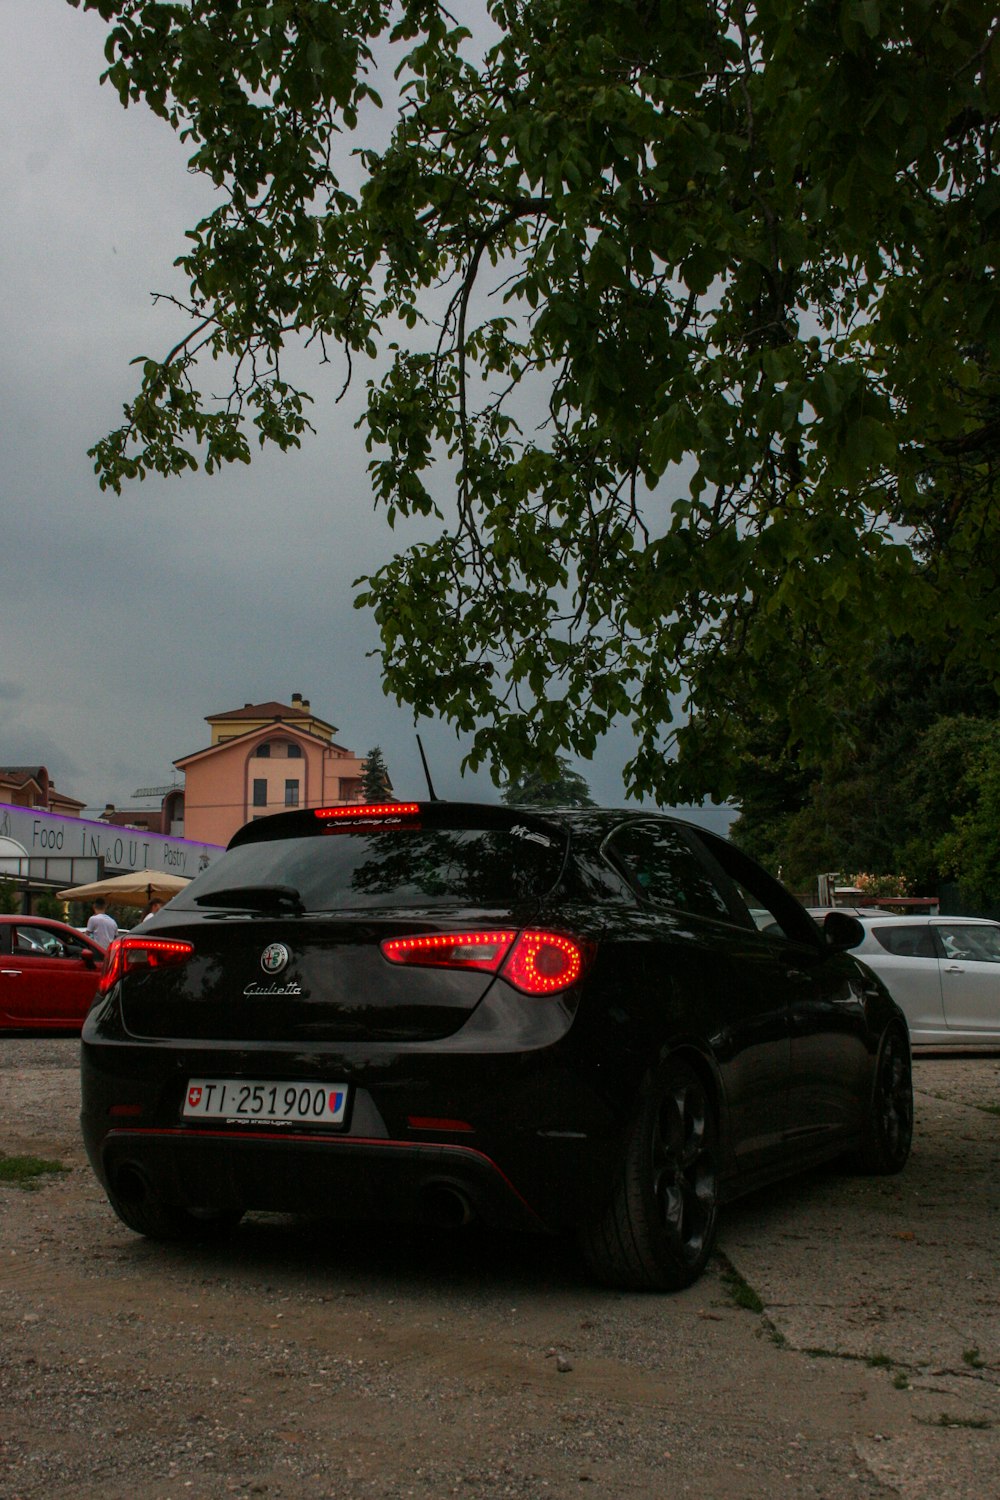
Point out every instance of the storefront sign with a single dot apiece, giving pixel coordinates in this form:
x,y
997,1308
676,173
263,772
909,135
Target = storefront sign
x,y
52,837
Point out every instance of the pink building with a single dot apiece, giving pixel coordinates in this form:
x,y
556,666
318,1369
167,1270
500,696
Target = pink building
x,y
263,758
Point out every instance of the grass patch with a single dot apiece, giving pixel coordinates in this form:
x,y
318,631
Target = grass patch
x,y
24,1171
989,1109
973,1359
876,1361
744,1296
739,1288
978,1424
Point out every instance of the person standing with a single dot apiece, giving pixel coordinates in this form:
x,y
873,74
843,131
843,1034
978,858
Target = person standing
x,y
102,928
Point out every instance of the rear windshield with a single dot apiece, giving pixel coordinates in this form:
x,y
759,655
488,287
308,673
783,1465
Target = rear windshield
x,y
351,870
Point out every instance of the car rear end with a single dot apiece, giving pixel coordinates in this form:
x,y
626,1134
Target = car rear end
x,y
359,1012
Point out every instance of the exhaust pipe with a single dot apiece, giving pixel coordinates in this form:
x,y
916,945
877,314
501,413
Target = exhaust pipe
x,y
130,1183
446,1206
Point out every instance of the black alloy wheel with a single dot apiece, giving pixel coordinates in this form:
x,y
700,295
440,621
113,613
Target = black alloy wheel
x,y
658,1230
888,1131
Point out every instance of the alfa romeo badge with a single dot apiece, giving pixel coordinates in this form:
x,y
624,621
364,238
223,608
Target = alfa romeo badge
x,y
274,958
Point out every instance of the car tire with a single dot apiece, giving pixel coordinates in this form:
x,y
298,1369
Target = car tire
x,y
658,1229
888,1127
143,1211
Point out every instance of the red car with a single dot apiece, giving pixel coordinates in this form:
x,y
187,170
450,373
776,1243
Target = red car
x,y
48,974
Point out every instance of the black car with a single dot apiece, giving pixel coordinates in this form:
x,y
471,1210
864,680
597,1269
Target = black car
x,y
444,1012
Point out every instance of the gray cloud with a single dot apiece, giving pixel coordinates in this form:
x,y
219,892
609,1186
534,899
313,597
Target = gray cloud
x,y
125,621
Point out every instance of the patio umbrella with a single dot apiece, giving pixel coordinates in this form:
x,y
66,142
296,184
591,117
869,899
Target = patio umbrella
x,y
134,889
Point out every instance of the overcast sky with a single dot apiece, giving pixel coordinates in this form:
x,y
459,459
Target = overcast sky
x,y
124,622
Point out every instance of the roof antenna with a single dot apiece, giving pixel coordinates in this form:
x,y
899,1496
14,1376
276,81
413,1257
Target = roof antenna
x,y
427,775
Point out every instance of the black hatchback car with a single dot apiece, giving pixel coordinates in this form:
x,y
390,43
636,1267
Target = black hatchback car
x,y
596,1021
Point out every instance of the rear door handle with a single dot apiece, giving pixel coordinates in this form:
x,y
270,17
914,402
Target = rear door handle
x,y
10,971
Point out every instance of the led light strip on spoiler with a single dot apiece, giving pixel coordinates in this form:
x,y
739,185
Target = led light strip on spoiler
x,y
366,812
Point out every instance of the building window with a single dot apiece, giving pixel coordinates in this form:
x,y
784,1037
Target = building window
x,y
263,752
295,752
291,794
260,793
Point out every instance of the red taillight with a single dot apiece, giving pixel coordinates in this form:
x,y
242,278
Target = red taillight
x,y
544,962
129,953
538,963
113,965
371,810
451,950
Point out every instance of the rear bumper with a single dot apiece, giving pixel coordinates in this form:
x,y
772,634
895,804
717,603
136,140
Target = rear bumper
x,y
340,1177
537,1151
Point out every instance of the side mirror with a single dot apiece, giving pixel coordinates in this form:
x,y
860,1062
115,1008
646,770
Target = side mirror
x,y
90,958
841,930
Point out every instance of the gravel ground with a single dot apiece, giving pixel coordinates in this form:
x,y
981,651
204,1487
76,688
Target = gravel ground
x,y
303,1360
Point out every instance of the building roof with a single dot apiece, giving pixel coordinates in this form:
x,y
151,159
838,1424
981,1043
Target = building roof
x,y
19,776
261,732
271,710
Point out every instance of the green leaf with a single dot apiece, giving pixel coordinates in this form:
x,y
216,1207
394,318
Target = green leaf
x,y
679,336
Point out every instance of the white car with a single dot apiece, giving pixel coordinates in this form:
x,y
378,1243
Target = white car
x,y
944,973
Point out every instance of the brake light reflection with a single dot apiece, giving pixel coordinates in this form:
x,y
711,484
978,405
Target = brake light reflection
x,y
434,1122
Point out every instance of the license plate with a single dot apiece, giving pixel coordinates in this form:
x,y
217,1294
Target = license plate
x,y
265,1102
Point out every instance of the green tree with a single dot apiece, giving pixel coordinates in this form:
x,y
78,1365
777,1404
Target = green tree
x,y
48,905
938,792
970,851
567,788
882,799
10,897
375,783
689,308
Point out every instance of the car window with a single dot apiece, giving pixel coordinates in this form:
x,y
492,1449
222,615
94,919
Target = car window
x,y
27,941
905,941
352,869
762,917
759,900
45,942
598,880
662,864
975,944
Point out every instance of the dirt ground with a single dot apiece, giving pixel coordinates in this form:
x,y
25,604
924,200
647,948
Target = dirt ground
x,y
302,1360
